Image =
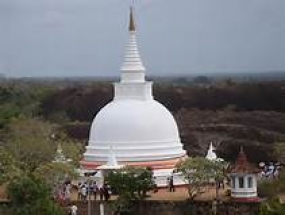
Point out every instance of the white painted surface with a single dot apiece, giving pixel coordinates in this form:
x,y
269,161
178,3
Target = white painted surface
x,y
132,69
137,127
211,155
246,191
137,131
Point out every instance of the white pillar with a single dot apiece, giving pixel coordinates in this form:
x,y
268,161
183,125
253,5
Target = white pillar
x,y
101,209
237,182
245,181
233,180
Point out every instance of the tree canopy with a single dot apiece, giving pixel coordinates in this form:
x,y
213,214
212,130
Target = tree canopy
x,y
199,171
272,207
31,196
28,167
130,184
29,149
31,143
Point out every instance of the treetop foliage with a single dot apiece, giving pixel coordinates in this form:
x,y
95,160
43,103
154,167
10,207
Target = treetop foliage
x,y
272,207
28,167
21,99
30,147
130,183
199,171
82,103
31,196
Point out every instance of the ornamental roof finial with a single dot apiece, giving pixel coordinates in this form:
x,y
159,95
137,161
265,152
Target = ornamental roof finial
x,y
132,26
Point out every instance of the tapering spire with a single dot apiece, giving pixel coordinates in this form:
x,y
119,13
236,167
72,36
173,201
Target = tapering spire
x,y
132,21
211,155
242,165
132,68
242,158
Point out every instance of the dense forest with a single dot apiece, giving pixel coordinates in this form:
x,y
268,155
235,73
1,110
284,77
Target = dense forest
x,y
228,113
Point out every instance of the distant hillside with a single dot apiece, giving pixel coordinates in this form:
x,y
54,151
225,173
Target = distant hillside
x,y
172,78
256,131
83,102
228,113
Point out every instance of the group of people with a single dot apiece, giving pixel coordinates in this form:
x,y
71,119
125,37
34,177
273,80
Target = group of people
x,y
62,192
270,170
94,190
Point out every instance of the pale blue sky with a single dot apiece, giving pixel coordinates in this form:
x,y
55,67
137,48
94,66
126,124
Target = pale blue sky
x,y
87,37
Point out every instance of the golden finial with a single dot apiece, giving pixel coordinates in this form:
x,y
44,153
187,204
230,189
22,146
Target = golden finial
x,y
132,22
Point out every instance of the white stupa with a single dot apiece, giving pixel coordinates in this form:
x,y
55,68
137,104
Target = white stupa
x,y
140,130
211,154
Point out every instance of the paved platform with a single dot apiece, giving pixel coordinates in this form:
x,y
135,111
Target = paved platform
x,y
180,194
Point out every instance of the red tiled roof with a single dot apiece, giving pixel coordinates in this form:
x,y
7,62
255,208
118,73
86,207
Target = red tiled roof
x,y
242,165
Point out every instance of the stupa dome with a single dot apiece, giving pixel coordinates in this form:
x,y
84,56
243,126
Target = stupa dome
x,y
140,130
137,130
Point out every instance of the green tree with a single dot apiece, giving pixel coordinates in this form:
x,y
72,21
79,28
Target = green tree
x,y
130,184
198,172
55,173
29,149
31,196
271,188
33,143
218,172
8,111
29,142
8,166
272,207
279,151
20,99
